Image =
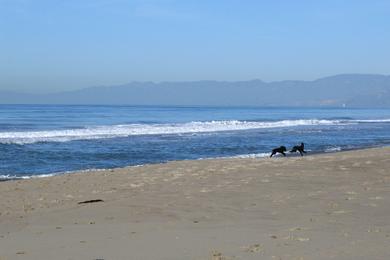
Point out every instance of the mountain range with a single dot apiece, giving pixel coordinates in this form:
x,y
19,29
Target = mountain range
x,y
345,90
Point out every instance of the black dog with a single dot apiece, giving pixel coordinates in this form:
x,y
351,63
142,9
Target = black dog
x,y
299,148
280,149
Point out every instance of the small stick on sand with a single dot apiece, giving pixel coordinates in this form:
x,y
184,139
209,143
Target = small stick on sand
x,y
89,201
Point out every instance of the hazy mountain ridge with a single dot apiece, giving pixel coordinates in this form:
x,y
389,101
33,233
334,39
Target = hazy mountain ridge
x,y
351,90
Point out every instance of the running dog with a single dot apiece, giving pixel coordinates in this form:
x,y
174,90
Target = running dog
x,y
299,148
280,149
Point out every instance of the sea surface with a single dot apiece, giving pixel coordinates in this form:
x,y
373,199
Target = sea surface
x,y
41,140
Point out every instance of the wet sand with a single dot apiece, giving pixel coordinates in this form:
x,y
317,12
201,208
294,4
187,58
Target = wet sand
x,y
328,206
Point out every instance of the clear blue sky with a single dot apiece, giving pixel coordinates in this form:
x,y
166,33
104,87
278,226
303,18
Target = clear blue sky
x,y
51,45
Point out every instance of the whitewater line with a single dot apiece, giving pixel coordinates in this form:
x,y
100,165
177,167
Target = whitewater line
x,y
103,132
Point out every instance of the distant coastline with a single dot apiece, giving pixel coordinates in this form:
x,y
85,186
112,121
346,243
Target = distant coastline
x,y
341,91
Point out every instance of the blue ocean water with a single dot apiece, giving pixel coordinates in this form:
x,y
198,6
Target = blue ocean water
x,y
47,139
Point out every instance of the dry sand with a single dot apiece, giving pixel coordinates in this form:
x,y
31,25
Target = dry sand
x,y
329,206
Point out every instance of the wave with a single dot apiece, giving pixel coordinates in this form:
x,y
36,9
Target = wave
x,y
333,149
369,121
7,177
102,132
248,156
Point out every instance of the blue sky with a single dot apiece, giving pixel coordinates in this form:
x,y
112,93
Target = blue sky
x,y
51,45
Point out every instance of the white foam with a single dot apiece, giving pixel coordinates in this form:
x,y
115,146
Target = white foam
x,y
333,149
250,156
14,177
239,156
101,132
371,121
25,177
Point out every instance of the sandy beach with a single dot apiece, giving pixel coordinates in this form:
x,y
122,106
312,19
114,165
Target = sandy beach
x,y
326,206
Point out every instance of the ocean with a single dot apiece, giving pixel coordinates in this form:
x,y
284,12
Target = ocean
x,y
43,140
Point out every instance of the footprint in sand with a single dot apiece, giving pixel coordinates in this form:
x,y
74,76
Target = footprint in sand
x,y
296,229
374,230
215,255
136,185
256,248
337,212
302,239
376,198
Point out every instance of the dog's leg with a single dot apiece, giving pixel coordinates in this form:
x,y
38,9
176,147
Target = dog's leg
x,y
272,154
283,153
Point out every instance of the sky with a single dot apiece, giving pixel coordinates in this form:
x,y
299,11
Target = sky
x,y
57,45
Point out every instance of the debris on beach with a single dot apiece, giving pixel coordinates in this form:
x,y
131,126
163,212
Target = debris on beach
x,y
254,248
90,201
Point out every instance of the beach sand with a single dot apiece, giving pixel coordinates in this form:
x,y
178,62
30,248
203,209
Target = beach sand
x,y
326,206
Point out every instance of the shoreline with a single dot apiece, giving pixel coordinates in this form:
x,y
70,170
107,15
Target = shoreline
x,y
322,206
242,156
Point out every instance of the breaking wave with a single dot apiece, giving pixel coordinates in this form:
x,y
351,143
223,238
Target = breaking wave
x,y
101,132
333,149
6,177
